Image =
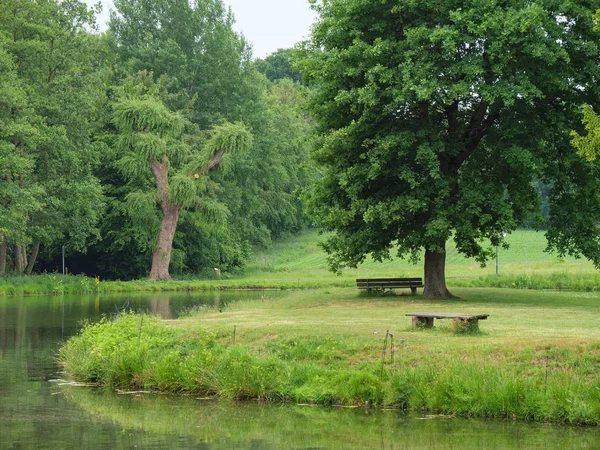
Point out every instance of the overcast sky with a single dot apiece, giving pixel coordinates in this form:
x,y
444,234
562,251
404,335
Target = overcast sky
x,y
267,24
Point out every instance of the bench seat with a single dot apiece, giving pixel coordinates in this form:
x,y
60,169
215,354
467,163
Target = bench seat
x,y
425,319
390,283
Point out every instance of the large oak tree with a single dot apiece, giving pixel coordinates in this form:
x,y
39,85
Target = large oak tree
x,y
436,116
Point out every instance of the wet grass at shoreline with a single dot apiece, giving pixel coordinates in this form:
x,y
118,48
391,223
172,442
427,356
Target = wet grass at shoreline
x,y
536,358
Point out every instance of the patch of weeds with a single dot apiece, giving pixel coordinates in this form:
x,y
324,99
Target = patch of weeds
x,y
422,326
458,326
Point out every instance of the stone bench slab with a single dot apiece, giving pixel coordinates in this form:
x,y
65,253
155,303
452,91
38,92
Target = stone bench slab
x,y
425,319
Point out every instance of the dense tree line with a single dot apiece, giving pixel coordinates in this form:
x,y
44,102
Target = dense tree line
x,y
157,143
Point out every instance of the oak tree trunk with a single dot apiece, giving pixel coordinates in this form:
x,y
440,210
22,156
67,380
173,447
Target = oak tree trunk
x,y
32,257
435,274
3,250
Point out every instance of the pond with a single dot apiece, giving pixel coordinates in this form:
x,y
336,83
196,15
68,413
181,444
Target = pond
x,y
38,410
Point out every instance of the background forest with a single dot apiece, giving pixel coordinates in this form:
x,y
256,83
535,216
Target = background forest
x,y
177,78
161,147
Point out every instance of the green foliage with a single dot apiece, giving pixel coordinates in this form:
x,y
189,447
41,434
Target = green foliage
x,y
52,95
146,115
588,146
83,116
110,351
182,190
464,326
192,46
230,137
278,65
50,284
434,119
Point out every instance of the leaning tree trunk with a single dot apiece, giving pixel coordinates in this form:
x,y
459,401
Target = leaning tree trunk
x,y
32,257
161,257
435,274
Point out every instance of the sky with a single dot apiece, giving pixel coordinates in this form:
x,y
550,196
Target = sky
x,y
267,24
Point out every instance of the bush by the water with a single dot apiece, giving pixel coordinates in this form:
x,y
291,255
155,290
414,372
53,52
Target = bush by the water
x,y
140,352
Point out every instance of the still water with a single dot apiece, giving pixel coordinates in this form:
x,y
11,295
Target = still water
x,y
38,411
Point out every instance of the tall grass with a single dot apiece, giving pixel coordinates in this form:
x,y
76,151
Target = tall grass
x,y
52,284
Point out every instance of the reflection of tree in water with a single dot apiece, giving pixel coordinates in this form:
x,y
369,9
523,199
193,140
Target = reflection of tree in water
x,y
294,426
217,300
171,306
160,306
29,339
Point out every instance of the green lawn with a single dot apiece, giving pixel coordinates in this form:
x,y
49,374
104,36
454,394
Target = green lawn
x,y
300,259
537,357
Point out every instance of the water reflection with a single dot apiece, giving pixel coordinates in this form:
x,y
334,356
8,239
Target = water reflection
x,y
33,413
235,425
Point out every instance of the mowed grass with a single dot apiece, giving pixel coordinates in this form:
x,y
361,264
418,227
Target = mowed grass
x,y
518,320
300,259
537,357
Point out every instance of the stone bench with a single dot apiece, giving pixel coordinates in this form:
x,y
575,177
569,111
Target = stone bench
x,y
425,319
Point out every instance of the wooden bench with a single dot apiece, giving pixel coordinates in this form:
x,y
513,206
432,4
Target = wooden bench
x,y
425,320
390,283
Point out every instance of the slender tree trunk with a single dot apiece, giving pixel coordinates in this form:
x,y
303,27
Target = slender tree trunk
x,y
161,257
20,258
32,257
162,253
3,249
435,274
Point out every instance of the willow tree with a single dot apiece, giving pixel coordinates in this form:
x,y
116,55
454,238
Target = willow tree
x,y
153,140
435,117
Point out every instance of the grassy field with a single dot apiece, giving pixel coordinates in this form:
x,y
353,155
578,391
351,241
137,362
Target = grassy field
x,y
299,262
300,258
536,358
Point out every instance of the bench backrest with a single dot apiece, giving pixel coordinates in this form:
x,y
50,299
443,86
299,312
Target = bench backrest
x,y
390,279
389,282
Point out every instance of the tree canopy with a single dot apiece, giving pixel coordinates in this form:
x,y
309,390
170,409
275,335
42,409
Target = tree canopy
x,y
278,65
87,118
434,118
52,86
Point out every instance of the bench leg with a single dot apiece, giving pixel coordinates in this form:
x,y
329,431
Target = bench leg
x,y
413,290
466,325
422,322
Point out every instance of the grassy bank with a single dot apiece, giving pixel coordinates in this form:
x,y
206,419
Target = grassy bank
x,y
536,358
298,262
